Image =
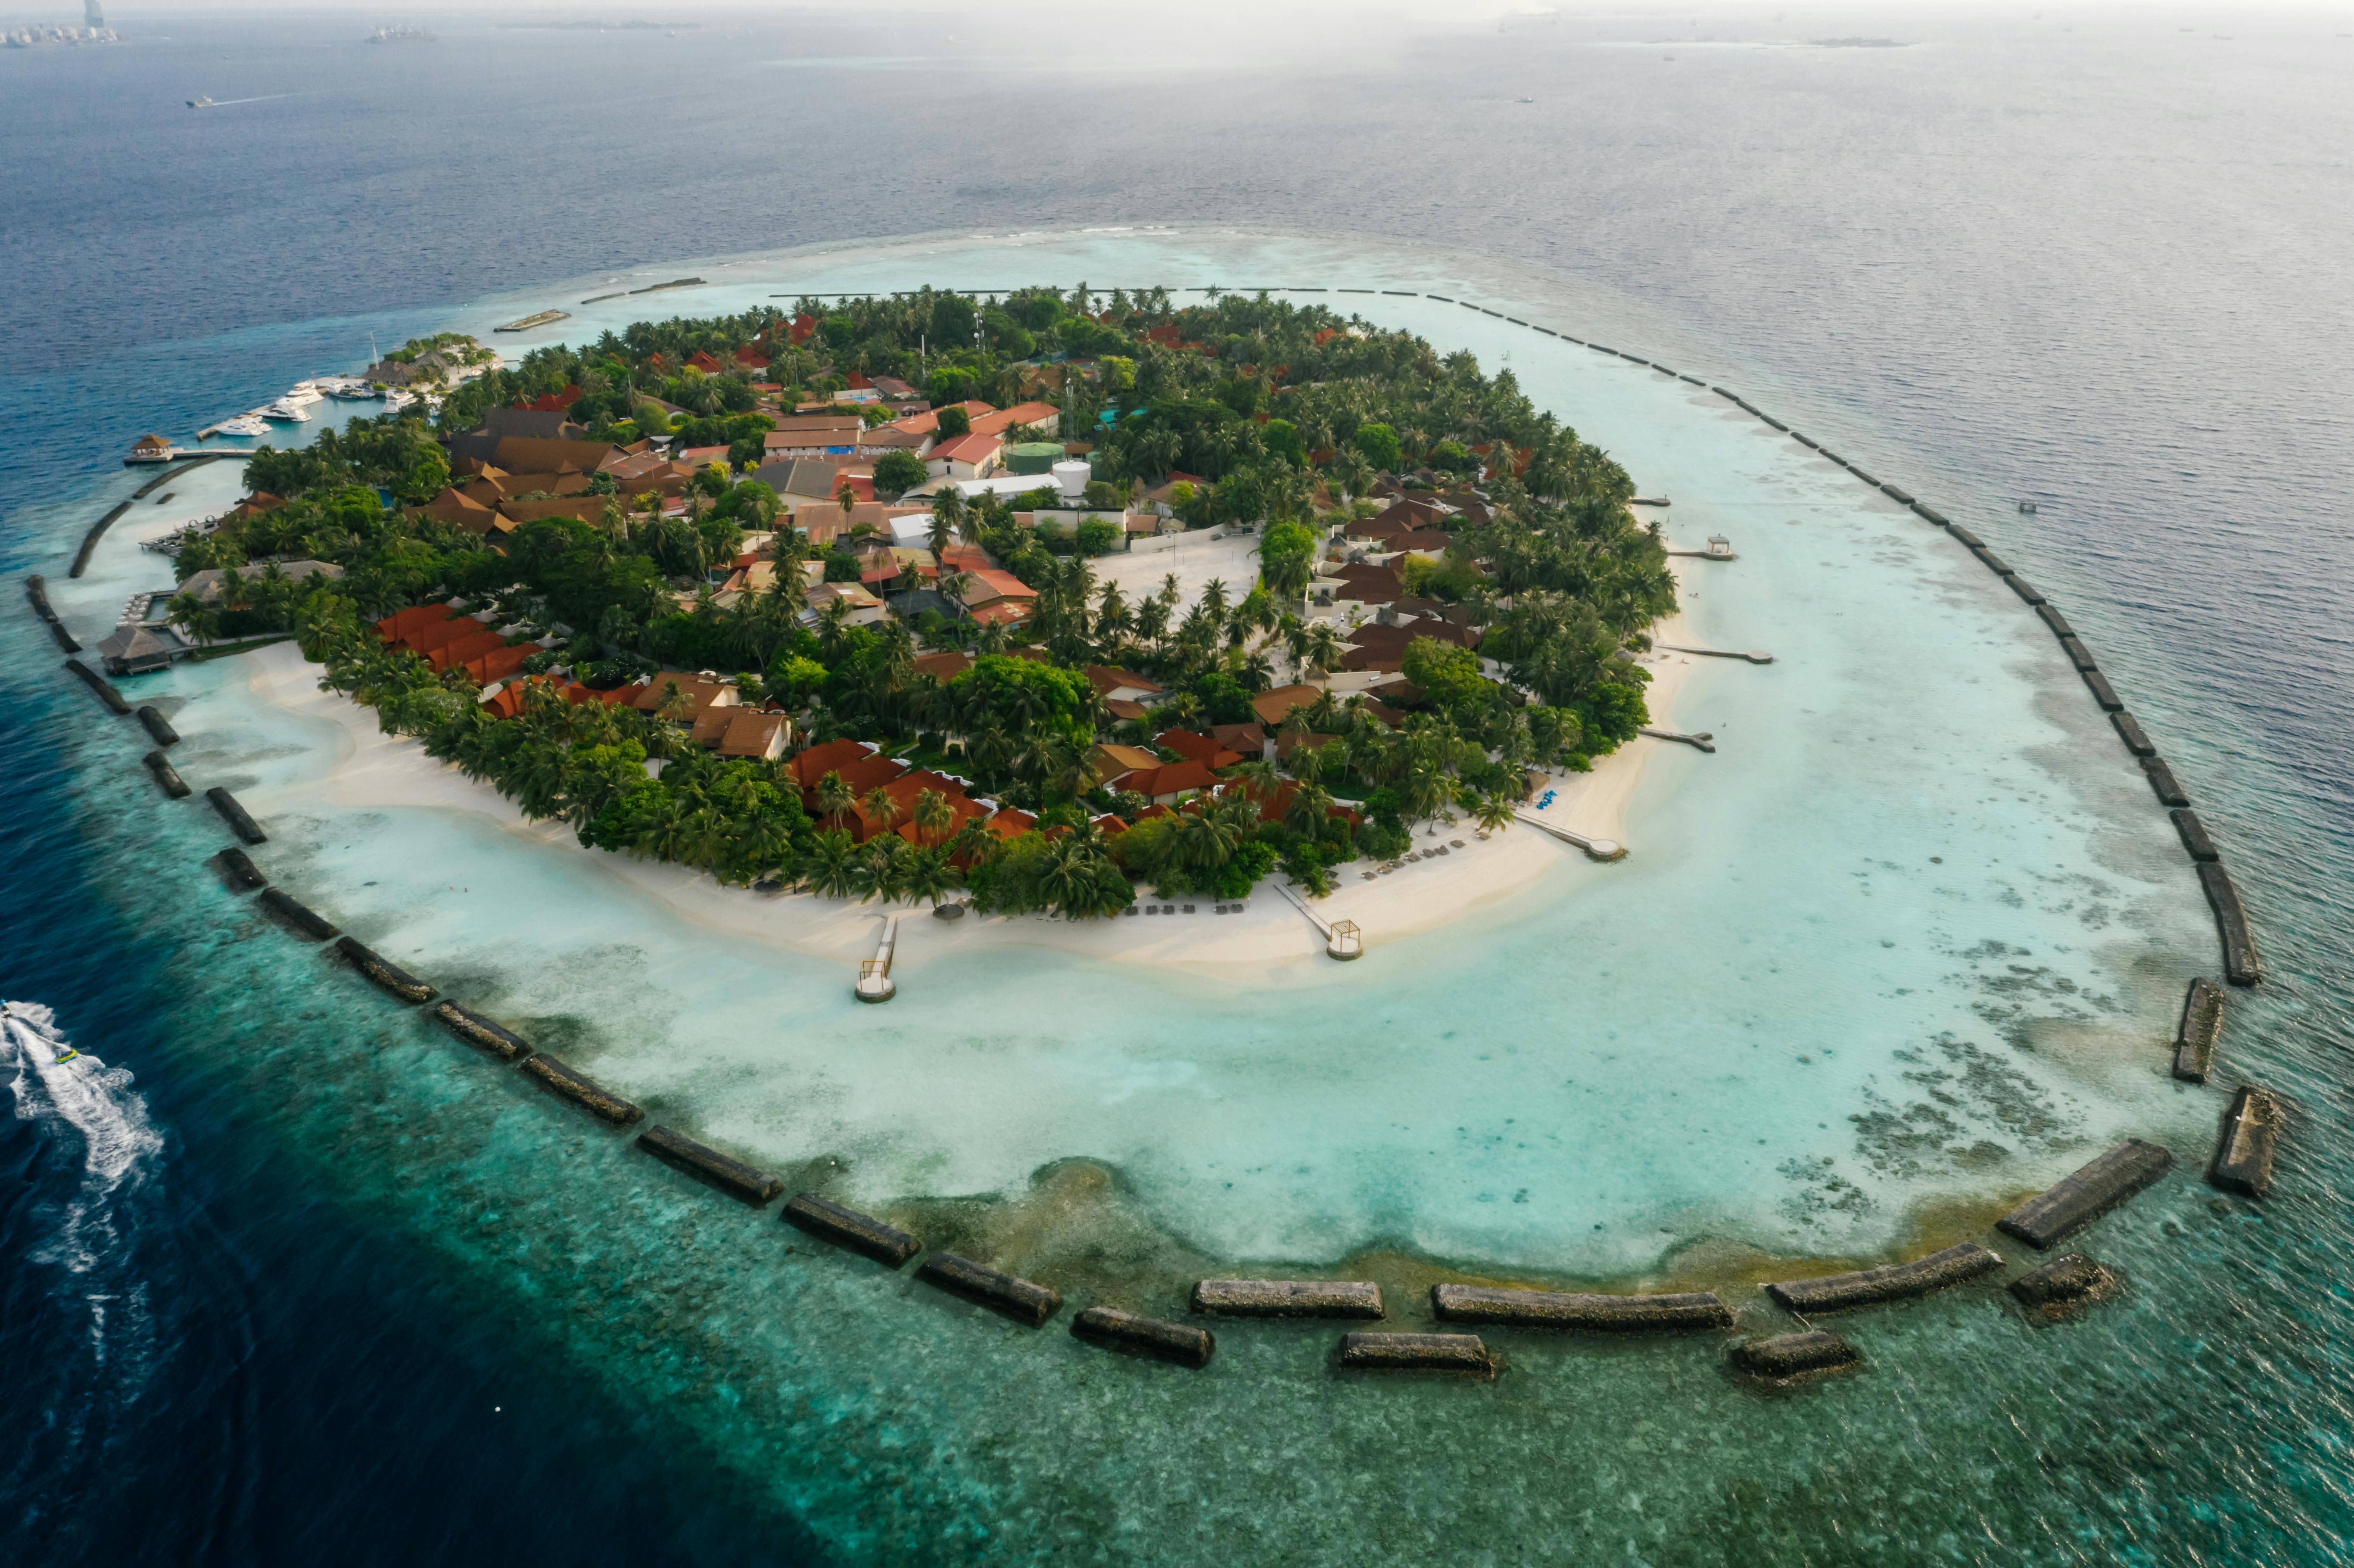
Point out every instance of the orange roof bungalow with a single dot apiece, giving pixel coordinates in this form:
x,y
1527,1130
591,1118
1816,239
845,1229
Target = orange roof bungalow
x,y
441,633
1010,823
397,626
460,651
500,663
1274,707
755,734
1167,784
705,363
1199,748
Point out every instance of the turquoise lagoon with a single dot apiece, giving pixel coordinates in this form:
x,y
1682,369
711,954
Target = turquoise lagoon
x,y
1907,946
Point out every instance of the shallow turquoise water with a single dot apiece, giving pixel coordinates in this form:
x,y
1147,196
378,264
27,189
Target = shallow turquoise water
x,y
1612,1045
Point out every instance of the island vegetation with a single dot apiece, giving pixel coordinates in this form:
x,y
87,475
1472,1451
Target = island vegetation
x,y
1243,413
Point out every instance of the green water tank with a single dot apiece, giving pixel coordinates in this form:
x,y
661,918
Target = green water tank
x,y
1033,457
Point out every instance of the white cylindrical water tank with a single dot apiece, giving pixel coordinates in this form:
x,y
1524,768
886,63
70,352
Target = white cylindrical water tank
x,y
1071,476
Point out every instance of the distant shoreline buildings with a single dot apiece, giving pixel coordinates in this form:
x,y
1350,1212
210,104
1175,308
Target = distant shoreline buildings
x,y
93,30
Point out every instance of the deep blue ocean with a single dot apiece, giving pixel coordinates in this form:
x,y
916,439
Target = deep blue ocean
x,y
2094,259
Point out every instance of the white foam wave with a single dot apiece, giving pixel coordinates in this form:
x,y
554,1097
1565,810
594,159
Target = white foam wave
x,y
52,1081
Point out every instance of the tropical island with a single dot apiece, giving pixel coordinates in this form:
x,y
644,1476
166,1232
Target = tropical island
x,y
802,599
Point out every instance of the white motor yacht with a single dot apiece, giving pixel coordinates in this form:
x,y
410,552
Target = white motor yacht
x,y
243,425
287,410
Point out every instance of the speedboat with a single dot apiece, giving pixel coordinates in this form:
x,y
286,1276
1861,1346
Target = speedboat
x,y
243,425
286,409
302,392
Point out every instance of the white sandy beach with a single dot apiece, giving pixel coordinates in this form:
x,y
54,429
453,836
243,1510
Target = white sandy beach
x,y
367,770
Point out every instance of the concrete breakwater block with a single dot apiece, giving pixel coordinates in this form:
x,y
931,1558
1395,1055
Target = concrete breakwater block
x,y
166,774
1970,541
2105,696
1591,1313
237,869
2049,615
830,1222
159,728
1023,1300
1892,1282
2078,654
239,821
1902,497
1288,1298
2063,1288
1114,1329
480,1032
386,974
90,540
1995,563
64,639
566,1084
2163,782
2195,842
2251,1137
301,918
36,590
100,684
2241,964
2195,1033
1928,513
1462,1353
2077,1200
2026,591
1786,1358
708,1166
2129,730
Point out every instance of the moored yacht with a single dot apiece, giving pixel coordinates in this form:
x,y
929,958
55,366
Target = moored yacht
x,y
243,425
287,408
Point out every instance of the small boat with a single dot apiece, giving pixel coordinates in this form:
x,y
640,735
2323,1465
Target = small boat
x,y
243,425
1524,101
288,411
200,103
302,392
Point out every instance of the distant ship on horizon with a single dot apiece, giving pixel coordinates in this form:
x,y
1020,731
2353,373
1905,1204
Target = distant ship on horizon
x,y
403,34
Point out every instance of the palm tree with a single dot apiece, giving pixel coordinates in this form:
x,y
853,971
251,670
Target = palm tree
x,y
831,866
833,796
1308,809
927,876
879,808
1493,813
933,816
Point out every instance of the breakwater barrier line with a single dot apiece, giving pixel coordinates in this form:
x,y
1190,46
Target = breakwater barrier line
x,y
100,684
1181,1343
874,982
2241,966
239,871
386,974
2026,591
1753,655
480,1032
1704,741
2198,1029
1893,1282
90,540
708,1166
37,591
2250,1140
239,821
166,774
2193,832
1595,848
2077,1200
298,918
2105,696
847,1228
566,1084
1675,1312
2129,731
1359,1298
1462,1354
159,728
1785,1359
65,640
166,477
2058,1288
2162,783
1025,1301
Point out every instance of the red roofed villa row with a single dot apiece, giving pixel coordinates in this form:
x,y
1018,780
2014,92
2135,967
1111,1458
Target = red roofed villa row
x,y
398,625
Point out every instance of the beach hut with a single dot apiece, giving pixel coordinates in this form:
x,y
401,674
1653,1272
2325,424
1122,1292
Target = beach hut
x,y
134,651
